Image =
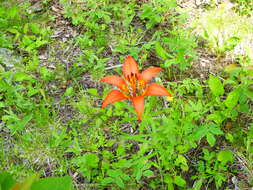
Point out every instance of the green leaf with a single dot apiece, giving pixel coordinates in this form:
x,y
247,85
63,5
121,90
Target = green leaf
x,y
178,180
69,91
248,93
244,108
119,182
22,123
225,156
216,86
160,51
26,184
232,98
216,117
200,132
32,91
210,139
107,180
55,183
148,173
2,104
232,42
6,181
114,173
169,181
214,130
91,160
169,62
198,184
182,162
35,28
88,160
26,28
13,31
229,137
26,40
22,76
93,91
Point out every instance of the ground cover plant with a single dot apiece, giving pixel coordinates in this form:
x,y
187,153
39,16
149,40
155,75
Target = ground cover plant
x,y
56,57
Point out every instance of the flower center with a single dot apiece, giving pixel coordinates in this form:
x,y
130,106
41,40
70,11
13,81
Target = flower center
x,y
134,86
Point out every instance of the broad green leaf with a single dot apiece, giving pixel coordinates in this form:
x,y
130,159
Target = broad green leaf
x,y
200,132
69,91
32,91
26,28
225,156
229,137
6,181
169,181
210,139
125,177
35,28
13,11
249,93
22,76
216,117
178,180
13,31
182,162
91,160
148,173
26,184
88,160
107,180
169,62
230,68
138,174
26,40
93,91
114,173
245,108
2,104
160,51
55,183
198,184
232,98
232,42
22,123
215,130
183,148
216,86
119,182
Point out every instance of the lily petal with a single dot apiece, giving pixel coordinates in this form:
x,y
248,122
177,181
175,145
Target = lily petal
x,y
149,73
156,90
114,80
138,103
114,96
130,68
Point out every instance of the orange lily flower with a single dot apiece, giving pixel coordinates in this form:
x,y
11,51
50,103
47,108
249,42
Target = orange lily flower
x,y
134,86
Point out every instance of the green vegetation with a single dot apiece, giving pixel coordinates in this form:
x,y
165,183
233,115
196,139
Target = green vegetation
x,y
220,28
34,183
53,130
